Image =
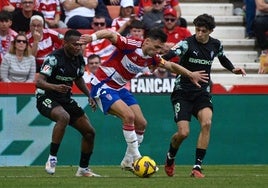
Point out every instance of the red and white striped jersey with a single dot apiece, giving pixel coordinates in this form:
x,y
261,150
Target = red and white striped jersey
x,y
119,22
125,63
17,3
49,8
5,42
49,43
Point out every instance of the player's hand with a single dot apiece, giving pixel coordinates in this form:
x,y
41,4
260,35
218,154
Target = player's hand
x,y
239,71
199,76
92,104
86,38
159,59
62,88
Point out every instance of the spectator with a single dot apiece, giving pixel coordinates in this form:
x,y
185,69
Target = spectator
x,y
51,11
261,23
103,11
18,64
117,2
17,4
101,47
146,6
160,72
93,63
111,2
21,17
250,8
6,33
5,5
154,18
126,15
43,41
136,29
174,32
79,13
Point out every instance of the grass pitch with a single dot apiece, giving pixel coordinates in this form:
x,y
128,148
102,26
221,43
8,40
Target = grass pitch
x,y
225,176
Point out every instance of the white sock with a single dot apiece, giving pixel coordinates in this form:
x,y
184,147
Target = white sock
x,y
132,144
140,138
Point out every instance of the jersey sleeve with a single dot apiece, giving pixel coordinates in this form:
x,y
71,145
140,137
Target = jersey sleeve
x,y
127,45
49,63
178,49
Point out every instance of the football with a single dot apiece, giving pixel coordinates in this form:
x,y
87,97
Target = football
x,y
145,167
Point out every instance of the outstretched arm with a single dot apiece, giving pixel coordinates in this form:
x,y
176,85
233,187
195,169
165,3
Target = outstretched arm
x,y
105,33
195,77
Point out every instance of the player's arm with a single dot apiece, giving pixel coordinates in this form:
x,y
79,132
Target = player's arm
x,y
226,63
42,83
195,77
105,33
80,83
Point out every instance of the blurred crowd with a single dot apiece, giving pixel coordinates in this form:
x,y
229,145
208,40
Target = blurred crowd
x,y
30,29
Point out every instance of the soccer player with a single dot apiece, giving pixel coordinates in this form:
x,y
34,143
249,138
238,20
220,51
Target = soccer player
x,y
130,58
196,53
60,69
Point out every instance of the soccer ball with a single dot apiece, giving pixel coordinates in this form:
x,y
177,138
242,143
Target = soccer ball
x,y
144,167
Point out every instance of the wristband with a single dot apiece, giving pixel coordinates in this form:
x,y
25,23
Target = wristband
x,y
94,37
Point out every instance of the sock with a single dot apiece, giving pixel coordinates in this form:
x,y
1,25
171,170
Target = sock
x,y
54,149
140,136
199,156
132,141
172,151
84,159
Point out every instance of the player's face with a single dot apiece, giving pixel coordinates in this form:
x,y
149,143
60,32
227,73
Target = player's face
x,y
73,47
202,34
152,47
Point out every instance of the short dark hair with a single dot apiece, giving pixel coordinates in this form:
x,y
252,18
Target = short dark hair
x,y
70,33
92,56
5,16
205,20
156,34
136,24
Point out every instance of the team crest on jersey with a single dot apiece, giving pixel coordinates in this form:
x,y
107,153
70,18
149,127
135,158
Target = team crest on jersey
x,y
46,69
109,97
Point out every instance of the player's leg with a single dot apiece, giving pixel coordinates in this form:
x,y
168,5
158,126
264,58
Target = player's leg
x,y
176,141
182,108
83,125
52,110
139,122
124,112
204,117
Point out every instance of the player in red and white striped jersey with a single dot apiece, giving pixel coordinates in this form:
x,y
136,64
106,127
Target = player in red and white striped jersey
x,y
130,58
43,41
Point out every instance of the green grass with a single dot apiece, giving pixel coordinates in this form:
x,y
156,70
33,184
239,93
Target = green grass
x,y
113,177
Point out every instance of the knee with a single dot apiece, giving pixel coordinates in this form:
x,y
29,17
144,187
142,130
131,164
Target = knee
x,y
129,118
89,135
206,125
183,133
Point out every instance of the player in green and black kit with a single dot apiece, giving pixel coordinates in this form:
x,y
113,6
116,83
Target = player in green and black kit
x,y
60,69
196,53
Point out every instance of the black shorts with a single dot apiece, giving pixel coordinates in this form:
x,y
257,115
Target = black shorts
x,y
186,104
45,105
